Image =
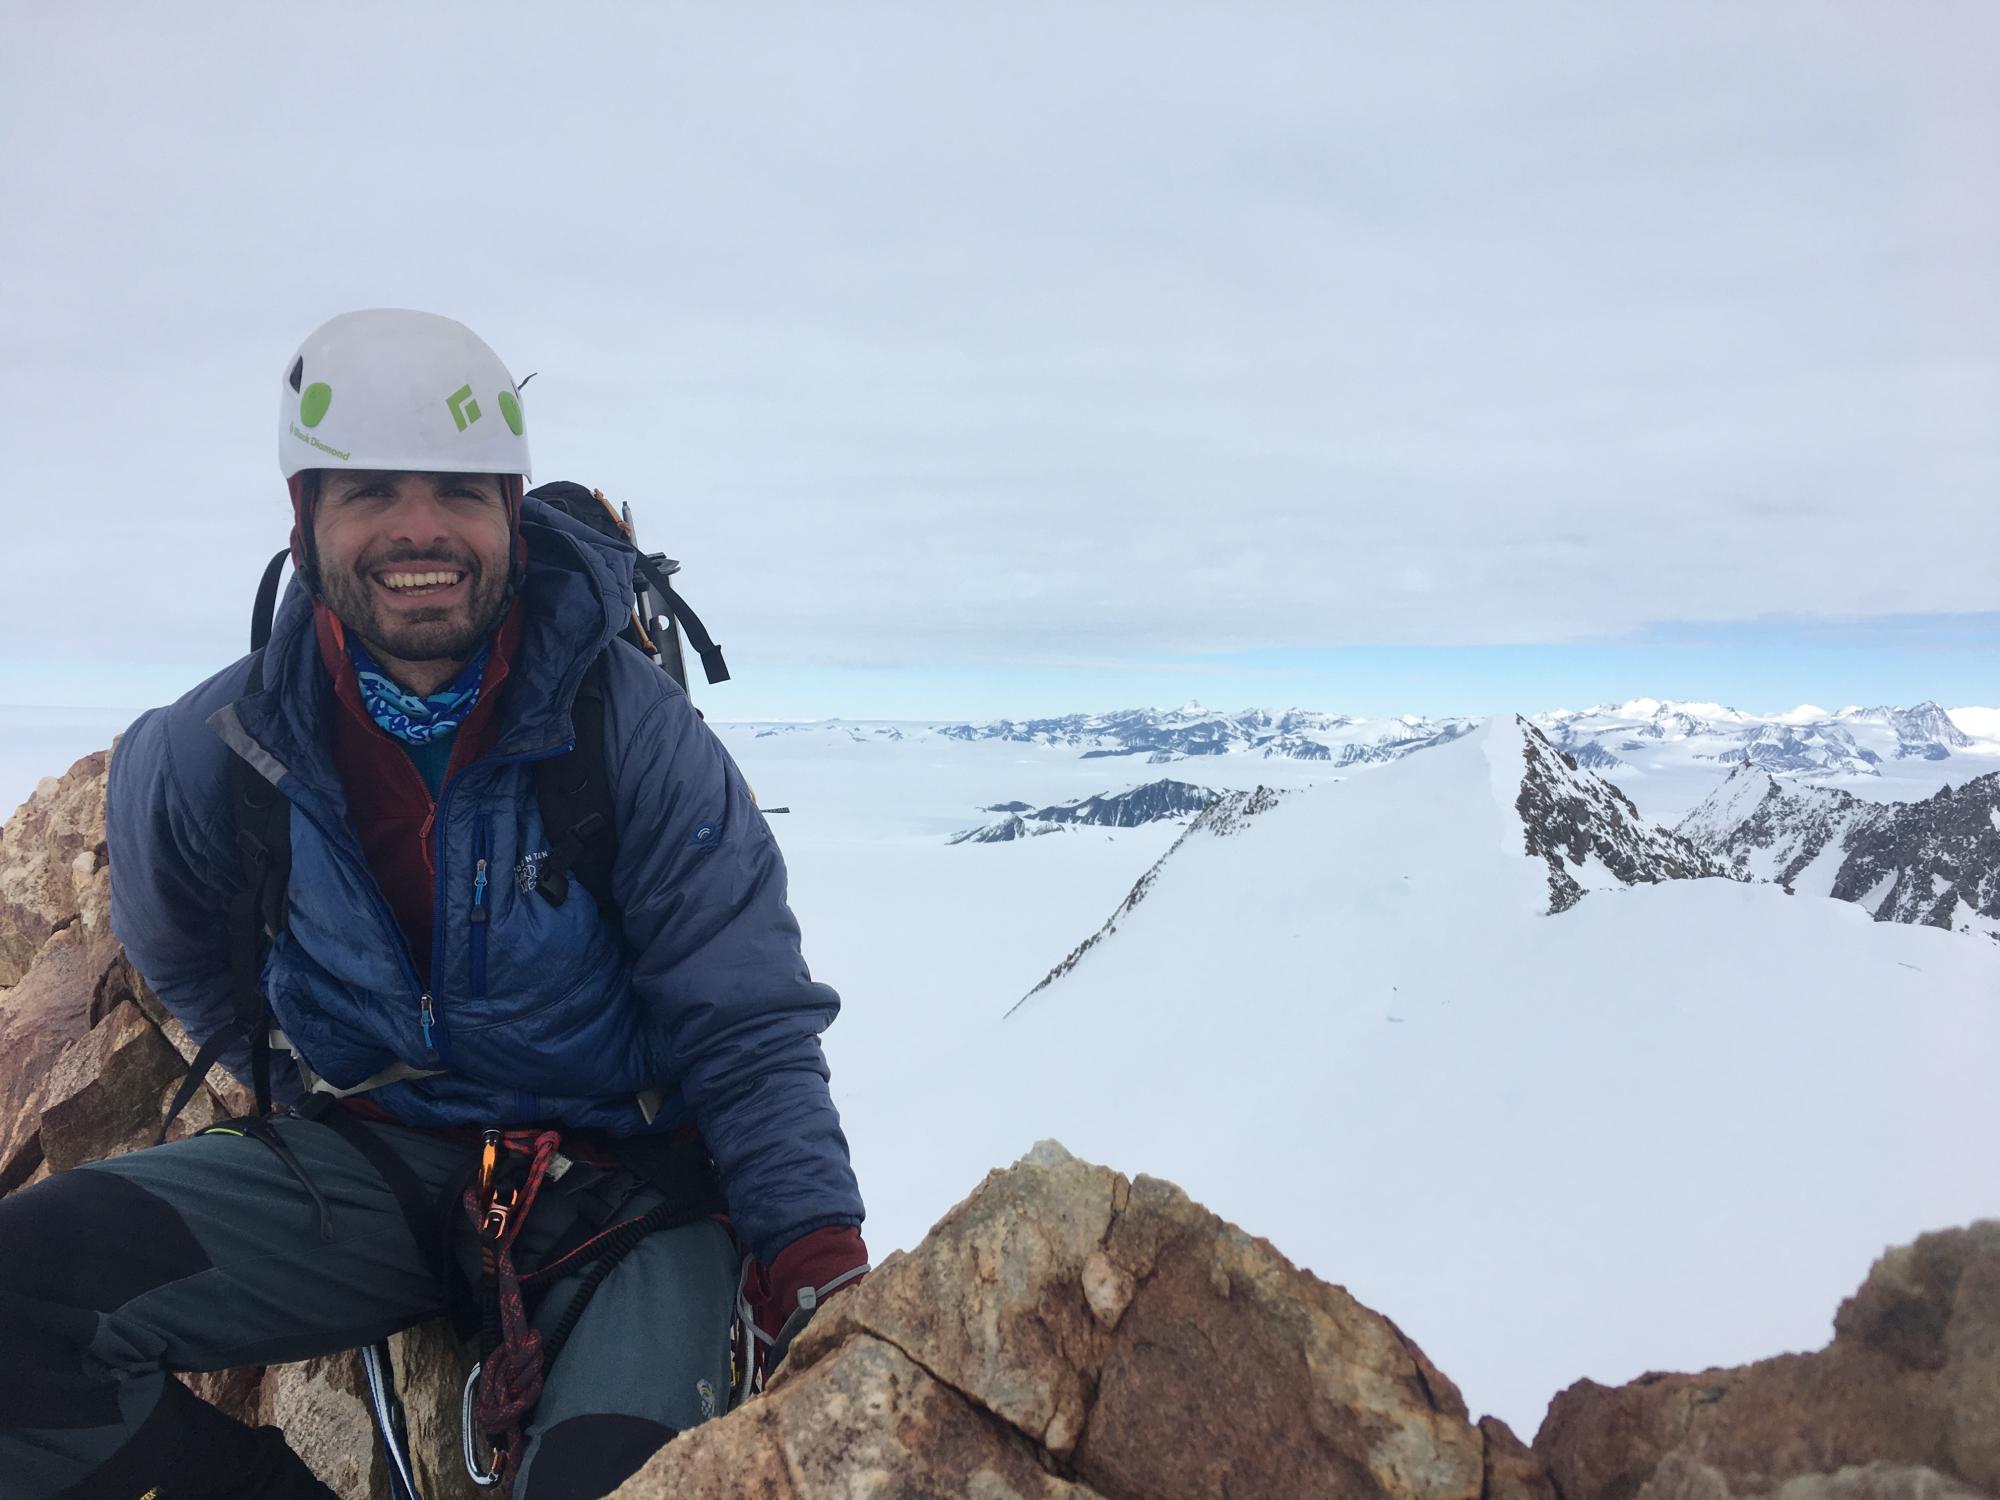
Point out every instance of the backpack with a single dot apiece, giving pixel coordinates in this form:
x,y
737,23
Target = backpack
x,y
572,789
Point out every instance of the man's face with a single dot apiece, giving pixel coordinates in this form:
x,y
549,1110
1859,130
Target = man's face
x,y
383,539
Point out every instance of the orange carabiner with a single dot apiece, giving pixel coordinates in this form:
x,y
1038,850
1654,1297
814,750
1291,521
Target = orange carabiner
x,y
489,1161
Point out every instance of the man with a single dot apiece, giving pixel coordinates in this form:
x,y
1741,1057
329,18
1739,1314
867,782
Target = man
x,y
429,656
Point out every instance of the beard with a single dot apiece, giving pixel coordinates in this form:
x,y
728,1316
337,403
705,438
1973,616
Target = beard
x,y
449,630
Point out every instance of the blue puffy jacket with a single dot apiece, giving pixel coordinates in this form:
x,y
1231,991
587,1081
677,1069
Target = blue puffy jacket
x,y
706,1011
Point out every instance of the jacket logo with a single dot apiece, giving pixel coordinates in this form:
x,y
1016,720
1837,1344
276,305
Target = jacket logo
x,y
704,835
529,871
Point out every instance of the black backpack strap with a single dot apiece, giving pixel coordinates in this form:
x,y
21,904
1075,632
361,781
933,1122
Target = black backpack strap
x,y
574,792
712,665
263,818
266,604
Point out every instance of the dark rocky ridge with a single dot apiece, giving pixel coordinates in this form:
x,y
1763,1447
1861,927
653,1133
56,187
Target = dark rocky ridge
x,y
1155,802
1570,814
1934,863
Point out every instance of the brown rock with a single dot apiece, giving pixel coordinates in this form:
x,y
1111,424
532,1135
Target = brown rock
x,y
1513,1472
40,1018
104,1091
1144,1348
321,1405
430,1367
994,1304
1233,1372
1682,1478
866,1422
1876,1482
51,854
238,1393
1911,1380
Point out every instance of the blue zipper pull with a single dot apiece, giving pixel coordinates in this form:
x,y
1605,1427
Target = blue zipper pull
x,y
479,892
425,1003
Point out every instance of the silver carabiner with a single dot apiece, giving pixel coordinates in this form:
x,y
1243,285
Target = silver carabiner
x,y
467,1438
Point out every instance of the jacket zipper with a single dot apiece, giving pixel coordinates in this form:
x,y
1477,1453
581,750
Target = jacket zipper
x,y
482,852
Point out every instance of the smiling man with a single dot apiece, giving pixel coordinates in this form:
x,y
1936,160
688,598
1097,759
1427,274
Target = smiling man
x,y
424,603
478,1074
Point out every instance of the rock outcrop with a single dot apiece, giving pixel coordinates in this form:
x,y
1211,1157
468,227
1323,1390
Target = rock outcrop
x,y
52,863
1904,1402
1067,1332
61,970
88,1061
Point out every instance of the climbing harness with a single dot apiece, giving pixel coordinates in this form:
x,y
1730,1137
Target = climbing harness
x,y
514,1168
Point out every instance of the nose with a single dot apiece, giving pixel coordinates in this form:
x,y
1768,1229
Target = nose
x,y
418,516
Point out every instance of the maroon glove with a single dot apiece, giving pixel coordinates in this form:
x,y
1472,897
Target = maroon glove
x,y
785,1294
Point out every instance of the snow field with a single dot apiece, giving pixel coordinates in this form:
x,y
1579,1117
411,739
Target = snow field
x,y
1668,1129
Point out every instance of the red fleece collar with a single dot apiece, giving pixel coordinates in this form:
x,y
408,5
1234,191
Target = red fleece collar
x,y
476,732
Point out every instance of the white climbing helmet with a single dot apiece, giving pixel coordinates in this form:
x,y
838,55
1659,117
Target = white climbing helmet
x,y
398,390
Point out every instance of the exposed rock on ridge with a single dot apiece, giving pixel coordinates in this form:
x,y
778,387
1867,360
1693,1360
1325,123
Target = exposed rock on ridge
x,y
1224,816
1935,863
1155,802
1572,817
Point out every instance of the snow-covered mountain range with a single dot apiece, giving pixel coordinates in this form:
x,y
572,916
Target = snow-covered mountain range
x,y
1769,808
1806,741
1665,754
1934,862
1163,735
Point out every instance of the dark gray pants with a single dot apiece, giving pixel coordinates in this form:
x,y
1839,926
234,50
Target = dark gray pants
x,y
206,1253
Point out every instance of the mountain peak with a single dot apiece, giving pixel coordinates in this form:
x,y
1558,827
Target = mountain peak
x,y
1586,830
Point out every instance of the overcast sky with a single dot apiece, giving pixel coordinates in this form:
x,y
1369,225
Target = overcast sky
x,y
1020,358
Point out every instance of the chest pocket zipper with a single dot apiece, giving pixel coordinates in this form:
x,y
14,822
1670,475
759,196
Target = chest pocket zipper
x,y
482,854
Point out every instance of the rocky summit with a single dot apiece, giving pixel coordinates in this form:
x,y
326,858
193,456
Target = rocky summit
x,y
1068,1332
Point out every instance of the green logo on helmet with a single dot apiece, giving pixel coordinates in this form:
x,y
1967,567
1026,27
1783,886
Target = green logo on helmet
x,y
313,403
510,408
464,410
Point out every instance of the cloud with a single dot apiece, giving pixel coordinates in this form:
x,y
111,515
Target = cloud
x,y
940,336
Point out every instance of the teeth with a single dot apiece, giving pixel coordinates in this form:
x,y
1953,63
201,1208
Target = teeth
x,y
419,580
